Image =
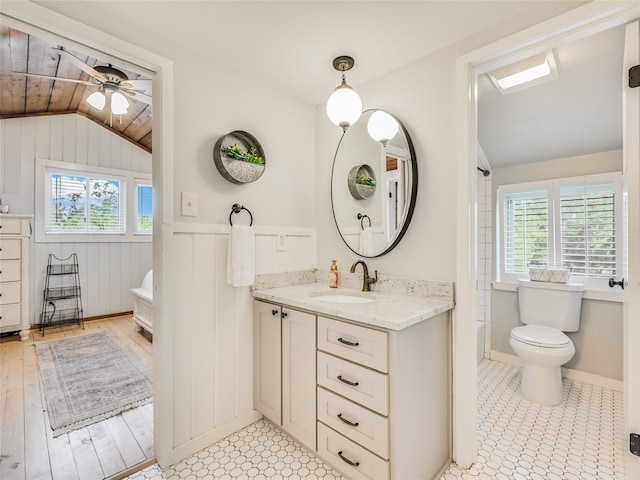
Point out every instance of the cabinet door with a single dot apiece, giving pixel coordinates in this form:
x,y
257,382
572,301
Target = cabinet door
x,y
267,379
299,376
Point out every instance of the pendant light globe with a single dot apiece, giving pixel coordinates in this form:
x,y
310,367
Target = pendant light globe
x,y
382,127
97,100
344,106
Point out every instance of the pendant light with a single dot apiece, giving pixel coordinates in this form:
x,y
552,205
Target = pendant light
x,y
382,127
344,105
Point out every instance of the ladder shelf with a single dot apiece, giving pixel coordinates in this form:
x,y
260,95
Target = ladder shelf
x,y
61,298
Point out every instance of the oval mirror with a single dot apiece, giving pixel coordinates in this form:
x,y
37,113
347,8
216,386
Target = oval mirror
x,y
374,184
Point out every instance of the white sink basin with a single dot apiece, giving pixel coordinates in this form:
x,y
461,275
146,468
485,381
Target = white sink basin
x,y
341,298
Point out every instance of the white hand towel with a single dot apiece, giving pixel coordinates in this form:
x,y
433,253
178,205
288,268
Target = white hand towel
x,y
366,242
241,262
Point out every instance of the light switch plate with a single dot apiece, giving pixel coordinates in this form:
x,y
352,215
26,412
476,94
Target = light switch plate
x,y
281,243
189,204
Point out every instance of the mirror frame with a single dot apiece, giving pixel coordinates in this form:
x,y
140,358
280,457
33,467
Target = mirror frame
x,y
412,199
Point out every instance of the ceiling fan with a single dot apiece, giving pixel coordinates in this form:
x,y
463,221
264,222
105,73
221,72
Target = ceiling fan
x,y
113,84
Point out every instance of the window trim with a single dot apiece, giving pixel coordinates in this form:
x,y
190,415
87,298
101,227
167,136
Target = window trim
x,y
554,230
129,178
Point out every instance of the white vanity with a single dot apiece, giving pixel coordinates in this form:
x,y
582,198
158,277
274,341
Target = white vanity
x,y
363,379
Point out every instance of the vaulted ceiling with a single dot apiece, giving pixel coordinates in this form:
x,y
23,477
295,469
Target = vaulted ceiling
x,y
22,95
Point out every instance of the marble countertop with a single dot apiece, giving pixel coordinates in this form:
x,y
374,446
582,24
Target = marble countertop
x,y
390,311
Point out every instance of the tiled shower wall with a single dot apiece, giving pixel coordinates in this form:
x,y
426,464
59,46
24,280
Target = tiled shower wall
x,y
484,257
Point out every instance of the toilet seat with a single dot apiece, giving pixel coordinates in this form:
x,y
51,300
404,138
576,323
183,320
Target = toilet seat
x,y
540,336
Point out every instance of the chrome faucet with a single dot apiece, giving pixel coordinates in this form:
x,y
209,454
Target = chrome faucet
x,y
366,280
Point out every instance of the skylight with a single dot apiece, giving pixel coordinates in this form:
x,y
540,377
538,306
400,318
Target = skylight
x,y
525,73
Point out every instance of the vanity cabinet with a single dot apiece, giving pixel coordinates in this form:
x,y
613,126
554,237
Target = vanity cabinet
x,y
381,397
14,274
367,389
285,369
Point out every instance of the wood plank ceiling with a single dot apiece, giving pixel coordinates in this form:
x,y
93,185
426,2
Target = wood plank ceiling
x,y
23,96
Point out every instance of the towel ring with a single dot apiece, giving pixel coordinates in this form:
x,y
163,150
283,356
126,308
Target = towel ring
x,y
236,208
361,217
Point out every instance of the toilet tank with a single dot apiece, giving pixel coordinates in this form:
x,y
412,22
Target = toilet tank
x,y
549,304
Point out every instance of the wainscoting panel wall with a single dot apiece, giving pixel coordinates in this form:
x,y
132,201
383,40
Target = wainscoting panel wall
x,y
213,382
107,270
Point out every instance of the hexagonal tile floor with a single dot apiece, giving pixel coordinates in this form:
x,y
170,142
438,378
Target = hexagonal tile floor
x,y
582,438
259,451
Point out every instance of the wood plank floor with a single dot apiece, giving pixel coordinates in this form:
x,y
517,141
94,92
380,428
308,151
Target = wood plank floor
x,y
28,450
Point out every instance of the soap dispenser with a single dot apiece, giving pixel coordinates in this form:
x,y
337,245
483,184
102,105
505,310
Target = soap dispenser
x,y
333,274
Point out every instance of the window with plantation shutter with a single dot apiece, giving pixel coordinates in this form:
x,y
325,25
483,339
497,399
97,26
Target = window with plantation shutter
x,y
588,229
525,230
568,222
79,203
144,207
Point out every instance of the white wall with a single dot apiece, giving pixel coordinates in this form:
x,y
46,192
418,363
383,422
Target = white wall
x,y
212,322
107,270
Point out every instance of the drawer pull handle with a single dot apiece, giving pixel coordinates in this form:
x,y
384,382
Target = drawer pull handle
x,y
353,384
353,464
351,424
347,342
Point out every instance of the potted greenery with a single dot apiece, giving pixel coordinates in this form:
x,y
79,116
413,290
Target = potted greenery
x,y
235,152
362,182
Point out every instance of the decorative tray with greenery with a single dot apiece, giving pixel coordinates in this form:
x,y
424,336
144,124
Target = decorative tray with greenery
x,y
361,182
239,157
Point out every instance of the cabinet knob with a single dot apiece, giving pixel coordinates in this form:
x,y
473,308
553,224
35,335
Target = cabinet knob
x,y
284,314
274,312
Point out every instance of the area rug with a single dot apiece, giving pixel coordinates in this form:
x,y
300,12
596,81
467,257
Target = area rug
x,y
90,378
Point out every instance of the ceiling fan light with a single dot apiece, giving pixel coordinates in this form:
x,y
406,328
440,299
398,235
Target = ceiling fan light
x,y
97,100
344,106
119,103
382,127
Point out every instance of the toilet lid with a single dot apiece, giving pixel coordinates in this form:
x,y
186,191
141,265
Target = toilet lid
x,y
541,336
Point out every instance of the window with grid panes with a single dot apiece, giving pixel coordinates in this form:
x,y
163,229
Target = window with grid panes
x,y
570,222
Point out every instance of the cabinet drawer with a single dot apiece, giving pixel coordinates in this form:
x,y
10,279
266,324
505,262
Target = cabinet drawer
x,y
354,422
10,293
350,457
10,271
10,316
10,249
9,227
353,342
360,384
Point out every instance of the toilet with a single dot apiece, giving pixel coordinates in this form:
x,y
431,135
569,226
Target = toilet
x,y
547,310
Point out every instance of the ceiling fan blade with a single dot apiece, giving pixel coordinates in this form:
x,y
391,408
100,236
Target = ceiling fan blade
x,y
140,85
81,65
49,77
137,96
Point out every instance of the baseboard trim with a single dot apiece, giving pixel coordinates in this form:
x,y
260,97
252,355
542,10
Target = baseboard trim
x,y
590,378
37,326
